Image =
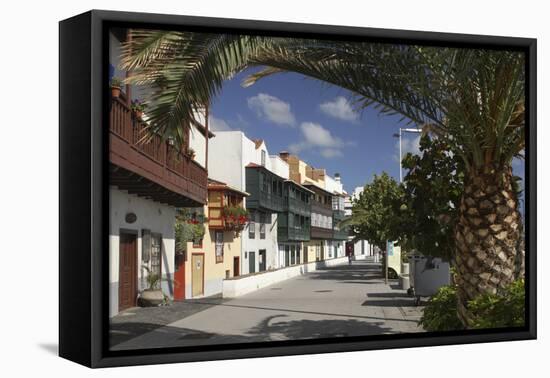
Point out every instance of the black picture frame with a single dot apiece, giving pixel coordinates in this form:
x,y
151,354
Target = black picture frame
x,y
83,196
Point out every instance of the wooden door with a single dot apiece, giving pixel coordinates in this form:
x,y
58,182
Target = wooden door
x,y
197,269
127,278
236,266
179,277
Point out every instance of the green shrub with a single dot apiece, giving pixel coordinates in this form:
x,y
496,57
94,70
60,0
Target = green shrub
x,y
506,309
440,311
500,310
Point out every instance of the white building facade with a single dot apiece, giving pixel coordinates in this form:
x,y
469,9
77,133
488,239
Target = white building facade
x,y
230,152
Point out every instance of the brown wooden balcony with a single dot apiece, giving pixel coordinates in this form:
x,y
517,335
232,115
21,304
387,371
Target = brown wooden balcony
x,y
149,167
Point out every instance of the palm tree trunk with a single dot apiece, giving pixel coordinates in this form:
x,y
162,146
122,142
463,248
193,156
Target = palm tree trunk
x,y
488,240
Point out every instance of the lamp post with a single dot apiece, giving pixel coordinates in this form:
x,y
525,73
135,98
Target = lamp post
x,y
400,136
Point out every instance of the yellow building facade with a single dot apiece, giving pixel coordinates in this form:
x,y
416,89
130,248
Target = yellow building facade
x,y
217,256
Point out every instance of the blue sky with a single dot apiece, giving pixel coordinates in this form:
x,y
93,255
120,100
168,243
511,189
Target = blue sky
x,y
315,121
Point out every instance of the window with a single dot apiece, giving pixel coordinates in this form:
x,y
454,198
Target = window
x,y
156,257
219,246
262,225
263,158
252,226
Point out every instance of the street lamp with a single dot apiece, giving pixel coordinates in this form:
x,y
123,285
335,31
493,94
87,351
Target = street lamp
x,y
400,136
396,135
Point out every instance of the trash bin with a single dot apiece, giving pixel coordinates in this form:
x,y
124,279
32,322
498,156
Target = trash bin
x,y
428,274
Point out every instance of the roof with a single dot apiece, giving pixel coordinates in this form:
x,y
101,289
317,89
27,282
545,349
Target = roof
x,y
300,185
218,185
317,187
254,165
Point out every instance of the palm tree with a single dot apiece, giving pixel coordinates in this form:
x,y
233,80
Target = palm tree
x,y
472,98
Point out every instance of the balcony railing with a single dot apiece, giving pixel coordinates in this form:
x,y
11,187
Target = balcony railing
x,y
264,195
290,233
271,201
296,205
132,148
321,233
317,207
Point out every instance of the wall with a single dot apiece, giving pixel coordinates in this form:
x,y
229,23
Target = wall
x,y
244,285
154,216
279,166
225,158
229,152
332,185
214,272
197,141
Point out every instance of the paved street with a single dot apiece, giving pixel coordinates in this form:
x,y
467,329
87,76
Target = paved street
x,y
338,301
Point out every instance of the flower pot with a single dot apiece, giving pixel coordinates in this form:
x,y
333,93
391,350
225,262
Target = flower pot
x,y
151,298
115,92
138,114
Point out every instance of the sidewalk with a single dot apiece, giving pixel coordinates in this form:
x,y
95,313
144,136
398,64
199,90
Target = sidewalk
x,y
345,300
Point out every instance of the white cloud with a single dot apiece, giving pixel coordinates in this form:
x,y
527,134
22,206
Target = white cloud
x,y
218,124
316,137
330,153
272,109
339,108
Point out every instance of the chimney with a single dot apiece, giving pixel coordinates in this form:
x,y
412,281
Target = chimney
x,y
284,155
337,177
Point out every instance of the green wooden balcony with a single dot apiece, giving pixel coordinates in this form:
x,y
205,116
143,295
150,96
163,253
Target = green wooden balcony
x,y
287,233
293,227
296,205
265,188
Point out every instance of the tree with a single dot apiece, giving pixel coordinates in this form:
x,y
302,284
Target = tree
x,y
432,190
375,214
471,98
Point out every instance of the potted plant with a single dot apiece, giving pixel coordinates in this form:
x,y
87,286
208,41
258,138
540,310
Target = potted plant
x,y
116,84
151,296
235,218
137,107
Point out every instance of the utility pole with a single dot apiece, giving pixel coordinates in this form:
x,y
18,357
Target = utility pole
x,y
400,136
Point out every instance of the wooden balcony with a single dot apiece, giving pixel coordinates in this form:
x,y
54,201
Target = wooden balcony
x,y
222,198
297,199
290,228
288,233
321,233
150,167
265,188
